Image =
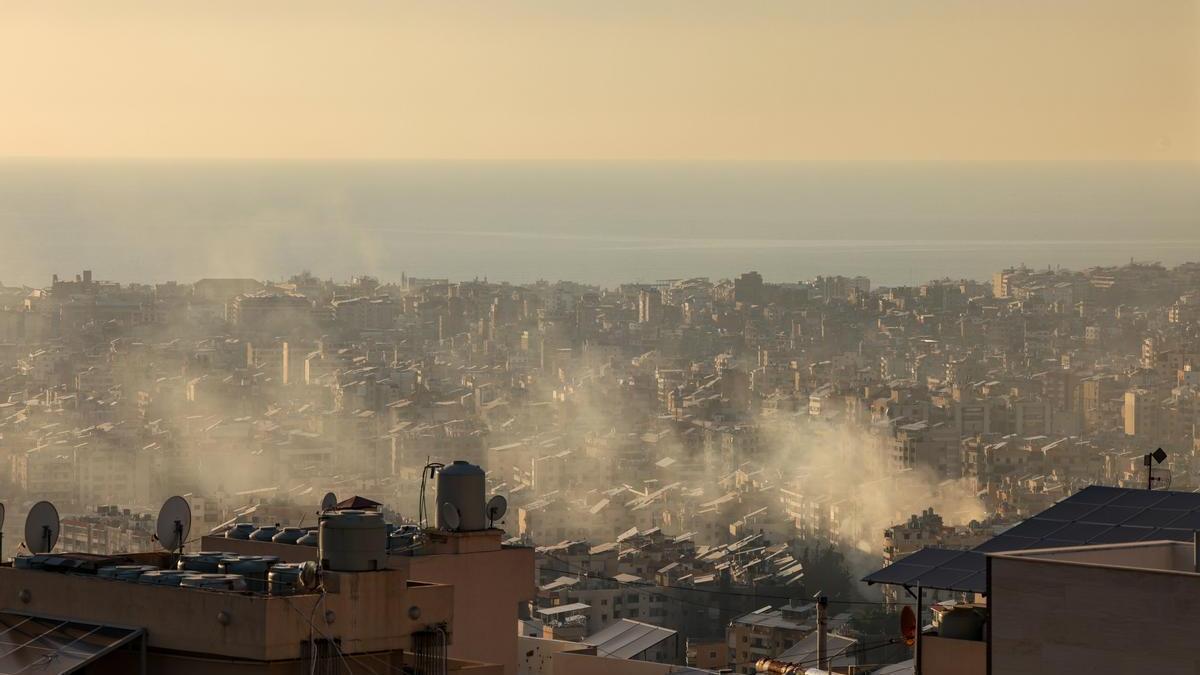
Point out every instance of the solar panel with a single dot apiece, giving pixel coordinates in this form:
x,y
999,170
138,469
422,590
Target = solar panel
x,y
941,569
1156,517
1179,500
1035,528
44,645
1067,511
1094,515
1139,499
1121,534
1079,533
1188,521
1006,542
1097,495
1110,515
1169,534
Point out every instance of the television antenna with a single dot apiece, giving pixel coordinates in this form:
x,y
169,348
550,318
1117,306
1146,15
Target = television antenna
x,y
41,528
174,524
1149,460
328,502
496,508
449,517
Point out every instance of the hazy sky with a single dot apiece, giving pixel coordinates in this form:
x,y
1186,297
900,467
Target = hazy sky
x,y
616,79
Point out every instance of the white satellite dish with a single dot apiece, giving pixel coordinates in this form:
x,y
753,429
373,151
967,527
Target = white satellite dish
x,y
174,523
328,501
450,518
496,508
310,576
41,528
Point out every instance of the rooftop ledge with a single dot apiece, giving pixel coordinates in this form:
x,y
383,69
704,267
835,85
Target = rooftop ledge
x,y
1166,556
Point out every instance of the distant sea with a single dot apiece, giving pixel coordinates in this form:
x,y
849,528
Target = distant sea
x,y
602,223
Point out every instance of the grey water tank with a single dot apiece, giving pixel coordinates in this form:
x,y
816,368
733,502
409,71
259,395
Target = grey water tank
x,y
125,572
253,568
240,531
352,541
204,562
289,535
264,533
311,538
464,485
216,582
284,578
164,577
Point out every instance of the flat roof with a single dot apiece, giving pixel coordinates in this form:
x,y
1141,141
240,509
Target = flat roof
x,y
564,609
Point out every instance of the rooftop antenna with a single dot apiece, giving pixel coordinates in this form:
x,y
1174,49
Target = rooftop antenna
x,y
41,528
496,508
1,532
328,502
1149,460
174,524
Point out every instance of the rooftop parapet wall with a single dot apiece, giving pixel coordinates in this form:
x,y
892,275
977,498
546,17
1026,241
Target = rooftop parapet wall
x,y
368,611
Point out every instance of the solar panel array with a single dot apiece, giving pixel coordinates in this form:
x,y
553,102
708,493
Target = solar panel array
x,y
1094,515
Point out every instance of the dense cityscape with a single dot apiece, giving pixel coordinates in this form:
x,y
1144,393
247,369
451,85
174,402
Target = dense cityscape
x,y
697,472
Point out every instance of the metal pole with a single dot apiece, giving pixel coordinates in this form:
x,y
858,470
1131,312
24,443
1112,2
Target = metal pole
x,y
917,650
1196,551
822,630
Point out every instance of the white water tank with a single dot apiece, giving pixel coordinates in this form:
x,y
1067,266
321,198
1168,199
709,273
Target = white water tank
x,y
463,484
352,541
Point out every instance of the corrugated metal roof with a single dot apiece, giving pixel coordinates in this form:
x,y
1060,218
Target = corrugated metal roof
x,y
627,638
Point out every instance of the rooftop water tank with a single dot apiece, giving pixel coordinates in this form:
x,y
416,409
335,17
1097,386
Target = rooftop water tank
x,y
240,531
289,535
463,485
217,582
284,578
204,562
164,577
264,533
311,538
352,541
125,572
253,568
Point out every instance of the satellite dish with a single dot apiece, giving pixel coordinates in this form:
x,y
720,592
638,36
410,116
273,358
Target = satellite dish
x,y
174,523
496,508
449,517
328,501
309,576
908,625
41,528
